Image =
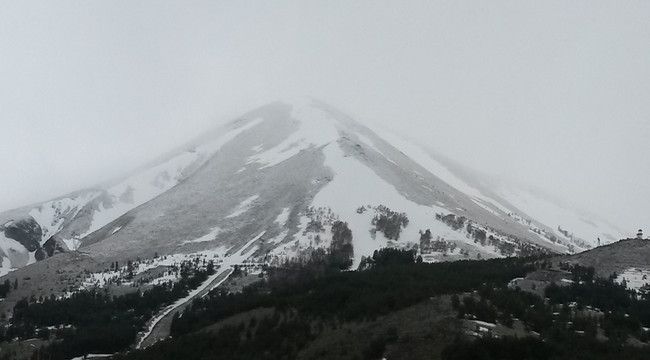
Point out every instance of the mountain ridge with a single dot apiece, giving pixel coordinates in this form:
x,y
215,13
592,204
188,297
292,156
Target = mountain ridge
x,y
271,151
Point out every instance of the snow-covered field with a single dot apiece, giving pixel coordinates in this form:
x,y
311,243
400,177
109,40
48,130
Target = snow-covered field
x,y
634,278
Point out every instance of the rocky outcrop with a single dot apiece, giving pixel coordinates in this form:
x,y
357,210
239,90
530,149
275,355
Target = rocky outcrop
x,y
26,231
54,245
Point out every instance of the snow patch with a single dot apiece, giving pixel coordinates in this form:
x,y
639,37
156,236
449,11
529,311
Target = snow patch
x,y
635,278
316,128
243,207
283,217
355,184
210,236
148,184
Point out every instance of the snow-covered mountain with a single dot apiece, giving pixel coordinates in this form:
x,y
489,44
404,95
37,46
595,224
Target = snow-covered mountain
x,y
276,180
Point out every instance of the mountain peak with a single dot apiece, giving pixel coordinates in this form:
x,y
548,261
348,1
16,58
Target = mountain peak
x,y
267,171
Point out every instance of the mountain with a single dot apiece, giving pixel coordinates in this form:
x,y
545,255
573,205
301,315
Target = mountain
x,y
626,259
273,184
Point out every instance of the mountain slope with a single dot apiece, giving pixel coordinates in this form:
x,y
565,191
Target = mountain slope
x,y
276,180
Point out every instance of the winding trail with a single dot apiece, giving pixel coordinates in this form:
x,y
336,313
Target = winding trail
x,y
159,327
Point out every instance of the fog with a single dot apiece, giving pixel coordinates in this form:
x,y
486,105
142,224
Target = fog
x,y
553,93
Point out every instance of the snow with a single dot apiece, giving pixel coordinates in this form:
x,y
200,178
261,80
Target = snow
x,y
354,184
438,169
554,215
92,356
182,301
163,279
425,160
210,236
483,323
283,217
243,206
9,246
542,210
277,239
212,147
51,215
371,144
72,244
148,184
5,266
243,253
635,278
130,192
32,258
226,267
316,128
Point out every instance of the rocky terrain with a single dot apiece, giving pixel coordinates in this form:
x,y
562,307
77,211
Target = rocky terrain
x,y
274,182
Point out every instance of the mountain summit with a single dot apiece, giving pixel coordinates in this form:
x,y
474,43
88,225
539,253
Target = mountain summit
x,y
285,179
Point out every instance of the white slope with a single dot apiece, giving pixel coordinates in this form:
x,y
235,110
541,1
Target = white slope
x,y
14,253
90,210
207,237
243,206
316,128
519,203
554,215
148,184
420,156
286,158
356,185
51,215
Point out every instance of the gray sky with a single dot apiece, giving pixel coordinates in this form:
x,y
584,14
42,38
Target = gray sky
x,y
553,93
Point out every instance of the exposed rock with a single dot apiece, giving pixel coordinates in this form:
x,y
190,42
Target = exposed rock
x,y
26,231
54,245
39,254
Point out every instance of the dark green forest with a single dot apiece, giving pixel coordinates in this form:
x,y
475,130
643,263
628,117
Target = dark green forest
x,y
302,304
92,321
592,318
308,298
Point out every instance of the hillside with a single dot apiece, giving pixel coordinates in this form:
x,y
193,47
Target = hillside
x,y
271,186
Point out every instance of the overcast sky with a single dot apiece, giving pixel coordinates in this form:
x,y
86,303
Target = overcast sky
x,y
553,93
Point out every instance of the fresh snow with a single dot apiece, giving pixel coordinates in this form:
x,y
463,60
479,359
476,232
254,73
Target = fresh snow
x,y
283,217
425,160
316,128
354,184
371,144
10,246
226,267
554,215
207,237
148,184
484,323
438,169
243,206
72,244
5,266
52,214
278,238
635,278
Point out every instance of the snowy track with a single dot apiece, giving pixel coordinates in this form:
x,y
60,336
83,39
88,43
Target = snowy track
x,y
160,326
